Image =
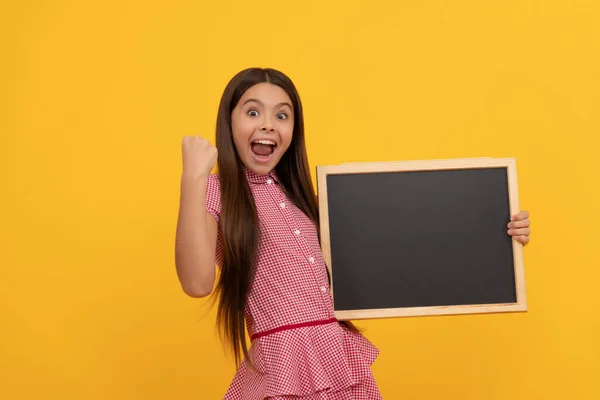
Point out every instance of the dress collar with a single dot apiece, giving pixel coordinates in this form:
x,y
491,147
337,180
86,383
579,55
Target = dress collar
x,y
253,177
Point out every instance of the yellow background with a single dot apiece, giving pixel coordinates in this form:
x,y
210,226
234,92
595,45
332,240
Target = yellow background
x,y
96,96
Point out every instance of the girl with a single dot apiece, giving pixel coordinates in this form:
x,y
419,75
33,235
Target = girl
x,y
259,223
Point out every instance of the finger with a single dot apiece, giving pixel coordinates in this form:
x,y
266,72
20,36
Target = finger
x,y
519,232
522,239
519,224
520,216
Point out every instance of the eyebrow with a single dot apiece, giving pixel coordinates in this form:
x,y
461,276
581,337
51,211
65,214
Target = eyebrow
x,y
261,103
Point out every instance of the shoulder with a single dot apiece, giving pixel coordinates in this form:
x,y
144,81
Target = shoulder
x,y
214,178
213,183
213,195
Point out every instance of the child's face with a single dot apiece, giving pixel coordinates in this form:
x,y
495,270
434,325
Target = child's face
x,y
263,124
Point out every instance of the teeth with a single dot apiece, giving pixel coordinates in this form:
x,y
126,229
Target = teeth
x,y
267,142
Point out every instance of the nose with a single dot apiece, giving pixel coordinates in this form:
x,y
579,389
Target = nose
x,y
267,126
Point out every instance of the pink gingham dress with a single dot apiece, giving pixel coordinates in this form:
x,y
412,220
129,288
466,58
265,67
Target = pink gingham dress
x,y
298,348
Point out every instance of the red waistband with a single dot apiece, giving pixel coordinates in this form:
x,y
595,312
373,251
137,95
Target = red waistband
x,y
288,327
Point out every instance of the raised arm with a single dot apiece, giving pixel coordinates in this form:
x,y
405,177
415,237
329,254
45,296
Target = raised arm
x,y
196,235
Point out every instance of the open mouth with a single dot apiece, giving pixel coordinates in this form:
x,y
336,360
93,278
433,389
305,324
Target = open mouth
x,y
263,150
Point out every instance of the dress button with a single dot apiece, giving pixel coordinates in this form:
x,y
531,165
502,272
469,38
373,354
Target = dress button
x,y
296,232
311,260
323,289
269,181
282,205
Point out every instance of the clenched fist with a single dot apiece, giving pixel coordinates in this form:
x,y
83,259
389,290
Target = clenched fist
x,y
199,157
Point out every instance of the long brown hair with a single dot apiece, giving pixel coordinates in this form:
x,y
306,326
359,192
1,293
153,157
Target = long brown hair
x,y
239,219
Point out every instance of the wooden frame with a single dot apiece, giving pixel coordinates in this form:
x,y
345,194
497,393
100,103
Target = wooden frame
x,y
425,165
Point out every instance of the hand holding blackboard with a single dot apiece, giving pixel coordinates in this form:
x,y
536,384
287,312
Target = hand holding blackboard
x,y
423,237
518,227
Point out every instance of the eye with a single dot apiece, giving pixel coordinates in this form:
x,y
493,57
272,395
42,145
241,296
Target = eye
x,y
252,113
282,115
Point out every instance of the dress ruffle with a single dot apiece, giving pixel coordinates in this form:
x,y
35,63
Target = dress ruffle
x,y
303,362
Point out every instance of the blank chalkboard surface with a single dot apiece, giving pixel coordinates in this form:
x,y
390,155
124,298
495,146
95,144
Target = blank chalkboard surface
x,y
421,238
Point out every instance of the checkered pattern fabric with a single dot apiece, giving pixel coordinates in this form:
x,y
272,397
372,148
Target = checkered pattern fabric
x,y
321,362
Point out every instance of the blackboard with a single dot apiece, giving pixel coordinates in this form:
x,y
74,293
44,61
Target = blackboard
x,y
421,237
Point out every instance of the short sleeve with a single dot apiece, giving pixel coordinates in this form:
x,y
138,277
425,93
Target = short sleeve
x,y
213,206
213,196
